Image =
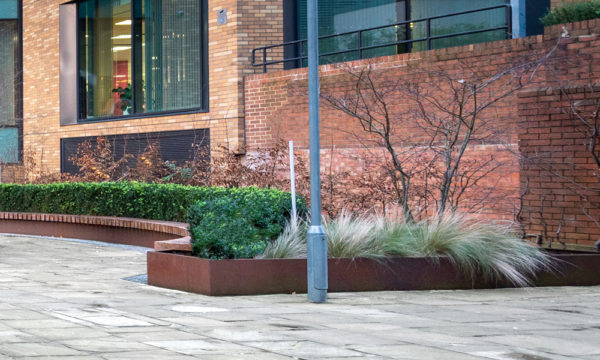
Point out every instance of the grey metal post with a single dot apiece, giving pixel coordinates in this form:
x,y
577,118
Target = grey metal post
x,y
317,241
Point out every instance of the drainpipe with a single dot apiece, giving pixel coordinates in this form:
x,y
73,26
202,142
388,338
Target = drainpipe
x,y
518,18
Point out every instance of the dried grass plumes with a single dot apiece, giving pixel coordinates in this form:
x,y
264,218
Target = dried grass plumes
x,y
290,244
477,248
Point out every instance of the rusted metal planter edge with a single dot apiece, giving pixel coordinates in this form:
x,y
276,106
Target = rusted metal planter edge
x,y
271,276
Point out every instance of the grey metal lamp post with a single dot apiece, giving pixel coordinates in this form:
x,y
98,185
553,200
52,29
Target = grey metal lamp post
x,y
317,241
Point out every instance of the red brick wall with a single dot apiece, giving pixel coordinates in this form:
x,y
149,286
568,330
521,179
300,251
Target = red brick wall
x,y
261,24
559,177
12,173
276,108
276,103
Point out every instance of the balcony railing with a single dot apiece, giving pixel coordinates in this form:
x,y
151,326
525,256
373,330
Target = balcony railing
x,y
361,49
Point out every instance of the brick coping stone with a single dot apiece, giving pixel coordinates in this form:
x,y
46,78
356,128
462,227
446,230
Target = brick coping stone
x,y
180,241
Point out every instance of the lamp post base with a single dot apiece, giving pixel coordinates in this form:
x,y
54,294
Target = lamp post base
x,y
317,265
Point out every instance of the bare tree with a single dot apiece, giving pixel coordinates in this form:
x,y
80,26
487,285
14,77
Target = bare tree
x,y
368,102
429,121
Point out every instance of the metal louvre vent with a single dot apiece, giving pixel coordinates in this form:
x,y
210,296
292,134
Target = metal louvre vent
x,y
176,146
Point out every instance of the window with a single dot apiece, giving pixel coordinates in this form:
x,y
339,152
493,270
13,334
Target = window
x,y
140,57
343,16
495,18
340,16
173,146
10,89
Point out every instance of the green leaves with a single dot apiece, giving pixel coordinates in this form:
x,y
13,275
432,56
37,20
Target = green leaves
x,y
239,225
572,12
225,223
125,95
168,202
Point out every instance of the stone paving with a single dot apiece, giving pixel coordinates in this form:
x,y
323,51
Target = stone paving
x,y
69,300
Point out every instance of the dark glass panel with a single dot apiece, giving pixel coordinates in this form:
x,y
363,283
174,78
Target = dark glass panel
x,y
145,63
10,68
174,146
171,55
105,58
339,16
9,144
8,71
9,9
420,9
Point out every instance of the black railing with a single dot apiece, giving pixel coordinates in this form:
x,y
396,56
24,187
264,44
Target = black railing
x,y
299,46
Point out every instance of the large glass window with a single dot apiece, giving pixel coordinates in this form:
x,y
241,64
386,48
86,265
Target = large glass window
x,y
10,69
420,9
341,16
140,56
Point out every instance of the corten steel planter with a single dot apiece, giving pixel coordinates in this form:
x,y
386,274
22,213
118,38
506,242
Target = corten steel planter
x,y
270,276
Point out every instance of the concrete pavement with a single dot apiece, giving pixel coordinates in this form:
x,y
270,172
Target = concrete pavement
x,y
70,300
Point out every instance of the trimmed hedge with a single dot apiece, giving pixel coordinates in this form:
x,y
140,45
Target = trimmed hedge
x,y
238,227
572,12
168,202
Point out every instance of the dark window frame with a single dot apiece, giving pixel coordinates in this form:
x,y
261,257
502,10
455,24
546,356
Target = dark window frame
x,y
204,108
18,97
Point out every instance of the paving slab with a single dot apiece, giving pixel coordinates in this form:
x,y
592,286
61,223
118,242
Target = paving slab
x,y
155,354
77,300
305,349
412,351
66,333
571,346
34,349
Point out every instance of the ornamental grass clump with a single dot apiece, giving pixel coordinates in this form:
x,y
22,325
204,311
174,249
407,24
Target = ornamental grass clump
x,y
290,244
477,248
353,237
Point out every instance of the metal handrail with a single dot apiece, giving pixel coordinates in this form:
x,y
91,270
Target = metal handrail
x,y
361,49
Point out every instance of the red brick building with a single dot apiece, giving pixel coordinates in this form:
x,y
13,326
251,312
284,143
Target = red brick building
x,y
182,73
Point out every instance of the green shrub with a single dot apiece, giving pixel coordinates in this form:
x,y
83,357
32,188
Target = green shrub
x,y
238,226
572,12
168,202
